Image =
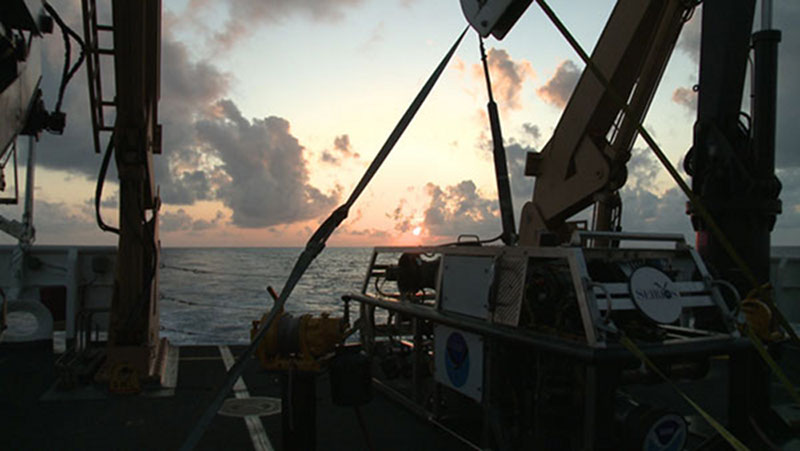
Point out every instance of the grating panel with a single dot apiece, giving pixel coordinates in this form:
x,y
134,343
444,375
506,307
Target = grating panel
x,y
510,289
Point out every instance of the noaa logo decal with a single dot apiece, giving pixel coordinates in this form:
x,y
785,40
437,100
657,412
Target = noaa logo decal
x,y
456,359
654,294
667,434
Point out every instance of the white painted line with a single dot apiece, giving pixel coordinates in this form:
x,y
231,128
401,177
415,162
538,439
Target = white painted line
x,y
257,434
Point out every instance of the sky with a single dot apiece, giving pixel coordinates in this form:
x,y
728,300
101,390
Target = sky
x,y
272,110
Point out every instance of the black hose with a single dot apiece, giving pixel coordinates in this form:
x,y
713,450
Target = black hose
x,y
98,192
67,71
509,235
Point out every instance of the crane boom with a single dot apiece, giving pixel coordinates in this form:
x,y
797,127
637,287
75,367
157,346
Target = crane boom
x,y
586,156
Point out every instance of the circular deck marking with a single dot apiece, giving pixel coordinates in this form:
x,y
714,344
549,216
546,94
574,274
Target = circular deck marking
x,y
654,294
257,406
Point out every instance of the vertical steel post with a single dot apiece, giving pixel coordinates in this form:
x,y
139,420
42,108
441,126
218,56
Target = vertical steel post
x,y
299,412
766,14
24,241
722,159
134,322
733,173
27,215
765,88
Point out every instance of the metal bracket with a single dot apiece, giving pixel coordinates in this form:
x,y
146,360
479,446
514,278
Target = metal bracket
x,y
13,227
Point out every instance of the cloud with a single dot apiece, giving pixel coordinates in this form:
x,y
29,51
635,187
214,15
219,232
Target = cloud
x,y
521,185
371,234
787,16
685,97
402,220
74,149
188,89
245,16
328,157
57,217
532,130
341,149
558,89
376,36
507,76
203,224
460,209
642,169
449,212
647,211
111,201
244,154
268,178
689,40
60,223
459,65
173,222
183,221
644,208
108,201
790,197
342,144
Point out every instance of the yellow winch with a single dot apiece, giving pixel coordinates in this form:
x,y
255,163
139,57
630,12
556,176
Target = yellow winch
x,y
298,342
758,314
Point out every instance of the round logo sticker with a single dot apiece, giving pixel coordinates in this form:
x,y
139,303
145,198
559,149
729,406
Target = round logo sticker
x,y
655,295
456,359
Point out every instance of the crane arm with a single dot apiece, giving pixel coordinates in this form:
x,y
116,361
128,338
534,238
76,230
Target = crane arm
x,y
586,156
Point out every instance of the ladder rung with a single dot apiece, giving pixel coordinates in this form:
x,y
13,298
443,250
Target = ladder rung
x,y
107,128
107,103
105,51
105,28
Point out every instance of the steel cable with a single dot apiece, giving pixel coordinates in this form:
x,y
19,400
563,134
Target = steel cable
x,y
315,245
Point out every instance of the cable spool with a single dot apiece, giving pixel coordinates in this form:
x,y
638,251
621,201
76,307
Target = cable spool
x,y
298,341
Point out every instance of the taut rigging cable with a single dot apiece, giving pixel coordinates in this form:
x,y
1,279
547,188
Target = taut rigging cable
x,y
314,246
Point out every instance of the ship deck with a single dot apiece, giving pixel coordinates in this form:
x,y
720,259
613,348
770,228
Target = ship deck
x,y
34,415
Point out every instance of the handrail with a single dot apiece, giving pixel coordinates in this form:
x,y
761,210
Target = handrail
x,y
580,236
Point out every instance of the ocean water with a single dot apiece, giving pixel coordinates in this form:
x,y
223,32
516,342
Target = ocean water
x,y
212,295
